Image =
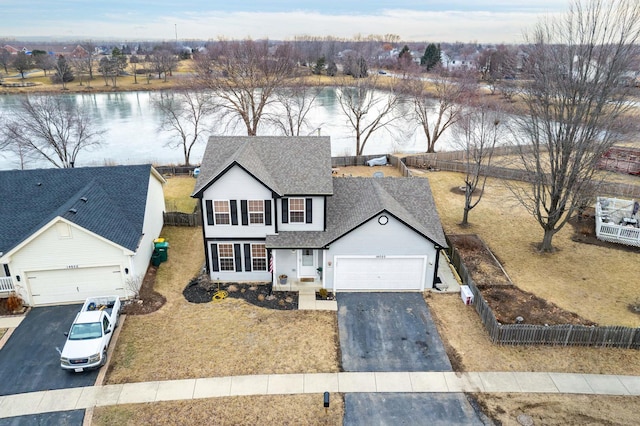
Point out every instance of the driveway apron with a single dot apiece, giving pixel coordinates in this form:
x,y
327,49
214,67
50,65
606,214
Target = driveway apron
x,y
61,418
395,332
388,332
30,360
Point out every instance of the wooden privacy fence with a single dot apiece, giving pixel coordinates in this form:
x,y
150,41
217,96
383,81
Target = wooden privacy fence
x,y
435,161
361,160
175,170
554,335
182,219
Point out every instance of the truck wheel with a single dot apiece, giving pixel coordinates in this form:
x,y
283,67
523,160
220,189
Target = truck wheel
x,y
104,357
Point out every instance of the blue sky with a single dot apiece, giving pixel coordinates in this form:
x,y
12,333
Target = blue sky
x,y
454,20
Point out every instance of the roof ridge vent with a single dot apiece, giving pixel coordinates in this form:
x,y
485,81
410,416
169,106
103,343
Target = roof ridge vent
x,y
72,210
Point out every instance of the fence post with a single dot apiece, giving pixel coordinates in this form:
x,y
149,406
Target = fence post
x,y
566,340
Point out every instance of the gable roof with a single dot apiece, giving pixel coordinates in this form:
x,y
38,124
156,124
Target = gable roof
x,y
304,169
357,200
108,201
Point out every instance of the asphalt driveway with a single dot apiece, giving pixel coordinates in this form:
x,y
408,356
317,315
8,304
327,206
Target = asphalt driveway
x,y
30,360
388,332
393,409
395,332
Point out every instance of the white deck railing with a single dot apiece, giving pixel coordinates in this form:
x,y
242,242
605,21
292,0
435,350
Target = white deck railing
x,y
610,213
6,284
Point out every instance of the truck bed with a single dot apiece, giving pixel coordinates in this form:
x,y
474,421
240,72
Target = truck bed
x,y
100,304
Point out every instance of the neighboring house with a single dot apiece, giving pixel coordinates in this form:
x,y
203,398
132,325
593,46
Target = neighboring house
x,y
454,63
271,207
67,234
12,50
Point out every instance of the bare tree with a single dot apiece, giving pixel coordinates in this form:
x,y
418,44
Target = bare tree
x,y
292,107
88,57
22,62
477,131
245,75
5,59
43,60
52,127
575,106
164,61
366,109
134,63
184,114
438,105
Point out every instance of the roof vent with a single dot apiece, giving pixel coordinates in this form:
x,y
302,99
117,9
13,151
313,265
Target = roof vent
x,y
83,199
74,211
39,184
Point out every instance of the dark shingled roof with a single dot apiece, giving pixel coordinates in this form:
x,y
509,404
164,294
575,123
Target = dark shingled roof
x,y
357,200
286,165
114,208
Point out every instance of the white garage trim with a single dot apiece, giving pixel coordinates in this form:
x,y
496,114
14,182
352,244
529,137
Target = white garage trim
x,y
379,273
56,286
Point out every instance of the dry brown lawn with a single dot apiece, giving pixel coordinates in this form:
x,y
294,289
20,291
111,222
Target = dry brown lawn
x,y
562,410
469,348
176,194
366,171
123,84
300,410
184,340
595,282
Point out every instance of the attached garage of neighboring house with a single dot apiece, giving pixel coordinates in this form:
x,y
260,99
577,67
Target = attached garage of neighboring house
x,y
373,273
51,287
68,234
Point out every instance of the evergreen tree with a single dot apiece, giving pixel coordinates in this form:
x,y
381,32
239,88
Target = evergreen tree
x,y
319,66
431,56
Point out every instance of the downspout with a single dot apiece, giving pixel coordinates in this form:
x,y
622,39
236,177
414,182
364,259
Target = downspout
x,y
204,238
435,266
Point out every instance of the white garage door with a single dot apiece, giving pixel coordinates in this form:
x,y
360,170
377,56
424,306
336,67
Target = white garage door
x,y
74,285
373,273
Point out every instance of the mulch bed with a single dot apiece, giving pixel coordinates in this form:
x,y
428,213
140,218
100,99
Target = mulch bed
x,y
202,290
148,300
507,302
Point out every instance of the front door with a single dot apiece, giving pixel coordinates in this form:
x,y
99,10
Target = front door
x,y
307,263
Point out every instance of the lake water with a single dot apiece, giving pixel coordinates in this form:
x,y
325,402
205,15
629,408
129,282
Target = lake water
x,y
132,136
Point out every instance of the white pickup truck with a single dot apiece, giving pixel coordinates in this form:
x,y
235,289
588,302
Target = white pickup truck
x,y
90,334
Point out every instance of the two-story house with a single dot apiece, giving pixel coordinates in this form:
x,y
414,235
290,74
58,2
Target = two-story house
x,y
271,207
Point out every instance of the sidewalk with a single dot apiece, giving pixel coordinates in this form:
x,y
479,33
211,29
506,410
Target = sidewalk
x,y
286,384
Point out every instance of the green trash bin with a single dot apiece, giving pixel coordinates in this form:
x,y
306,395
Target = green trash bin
x,y
162,250
155,258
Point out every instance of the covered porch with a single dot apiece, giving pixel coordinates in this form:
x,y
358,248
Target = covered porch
x,y
297,269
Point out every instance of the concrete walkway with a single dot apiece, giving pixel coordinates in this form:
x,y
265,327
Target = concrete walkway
x,y
286,384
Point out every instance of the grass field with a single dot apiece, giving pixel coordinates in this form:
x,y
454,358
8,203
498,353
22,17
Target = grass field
x,y
176,194
184,340
303,410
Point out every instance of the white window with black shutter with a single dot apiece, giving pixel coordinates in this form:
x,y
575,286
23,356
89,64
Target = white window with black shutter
x,y
226,257
255,257
222,212
253,212
297,210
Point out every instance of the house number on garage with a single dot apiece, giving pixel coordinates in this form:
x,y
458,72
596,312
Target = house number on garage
x,y
381,256
72,266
